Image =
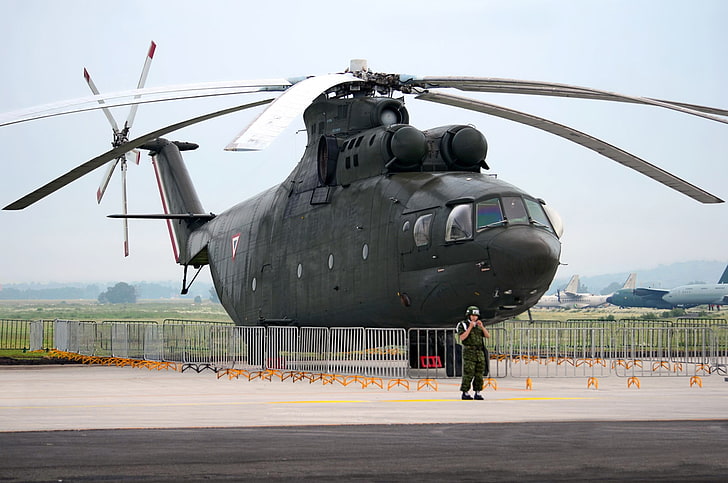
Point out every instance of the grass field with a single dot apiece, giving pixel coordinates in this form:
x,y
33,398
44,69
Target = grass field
x,y
152,310
159,310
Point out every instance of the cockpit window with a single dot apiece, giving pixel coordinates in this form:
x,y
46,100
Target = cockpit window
x,y
488,213
421,231
514,210
537,214
459,225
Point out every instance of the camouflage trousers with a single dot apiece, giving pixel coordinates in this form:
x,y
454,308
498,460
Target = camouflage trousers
x,y
473,367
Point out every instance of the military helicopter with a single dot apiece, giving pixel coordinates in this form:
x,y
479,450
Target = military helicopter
x,y
380,224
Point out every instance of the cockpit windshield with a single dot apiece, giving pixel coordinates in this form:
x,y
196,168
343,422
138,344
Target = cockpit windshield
x,y
514,210
538,215
499,211
489,213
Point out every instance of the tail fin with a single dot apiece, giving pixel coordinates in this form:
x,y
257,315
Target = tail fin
x,y
724,277
631,282
179,200
573,285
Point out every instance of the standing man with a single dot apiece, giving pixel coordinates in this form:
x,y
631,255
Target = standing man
x,y
472,334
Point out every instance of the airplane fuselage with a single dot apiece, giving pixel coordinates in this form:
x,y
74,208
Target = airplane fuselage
x,y
704,294
627,298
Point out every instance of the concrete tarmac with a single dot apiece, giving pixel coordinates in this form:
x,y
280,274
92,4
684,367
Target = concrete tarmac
x,y
91,423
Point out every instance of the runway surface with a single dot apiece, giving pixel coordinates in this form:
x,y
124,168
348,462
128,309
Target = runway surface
x,y
92,423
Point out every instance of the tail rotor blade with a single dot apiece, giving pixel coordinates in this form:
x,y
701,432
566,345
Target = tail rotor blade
x,y
133,156
105,181
98,161
142,81
124,208
106,110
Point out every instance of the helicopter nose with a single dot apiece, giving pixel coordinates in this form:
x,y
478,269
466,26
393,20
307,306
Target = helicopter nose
x,y
524,256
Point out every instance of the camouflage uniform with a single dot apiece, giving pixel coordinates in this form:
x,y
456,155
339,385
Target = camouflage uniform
x,y
473,358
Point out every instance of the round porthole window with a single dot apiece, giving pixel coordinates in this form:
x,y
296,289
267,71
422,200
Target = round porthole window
x,y
406,226
331,261
299,270
365,251
254,284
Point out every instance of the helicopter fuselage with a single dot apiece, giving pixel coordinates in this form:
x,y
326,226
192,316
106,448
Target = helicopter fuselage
x,y
381,225
365,259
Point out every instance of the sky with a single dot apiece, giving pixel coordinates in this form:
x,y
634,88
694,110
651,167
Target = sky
x,y
616,220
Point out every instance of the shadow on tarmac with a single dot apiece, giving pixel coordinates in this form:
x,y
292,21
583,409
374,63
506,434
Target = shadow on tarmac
x,y
534,451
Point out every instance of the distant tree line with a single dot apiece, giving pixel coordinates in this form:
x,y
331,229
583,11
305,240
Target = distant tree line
x,y
144,290
57,293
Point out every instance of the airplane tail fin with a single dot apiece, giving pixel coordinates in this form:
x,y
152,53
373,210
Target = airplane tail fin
x,y
573,285
724,277
631,282
182,207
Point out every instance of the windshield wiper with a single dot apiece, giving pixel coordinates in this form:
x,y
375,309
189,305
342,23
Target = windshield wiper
x,y
496,223
539,224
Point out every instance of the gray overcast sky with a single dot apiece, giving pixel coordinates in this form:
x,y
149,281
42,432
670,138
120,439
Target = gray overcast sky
x,y
616,220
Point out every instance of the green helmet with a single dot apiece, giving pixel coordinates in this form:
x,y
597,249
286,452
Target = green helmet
x,y
472,310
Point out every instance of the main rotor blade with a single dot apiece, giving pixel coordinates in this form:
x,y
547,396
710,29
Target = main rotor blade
x,y
578,137
99,161
514,86
289,105
148,95
95,90
140,84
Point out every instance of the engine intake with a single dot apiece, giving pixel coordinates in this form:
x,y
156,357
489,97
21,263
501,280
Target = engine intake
x,y
457,147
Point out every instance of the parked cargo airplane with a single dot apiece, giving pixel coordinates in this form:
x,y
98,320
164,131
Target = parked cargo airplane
x,y
700,294
692,294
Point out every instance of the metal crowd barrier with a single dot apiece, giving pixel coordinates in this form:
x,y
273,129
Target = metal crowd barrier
x,y
626,348
368,352
17,334
666,351
559,352
719,363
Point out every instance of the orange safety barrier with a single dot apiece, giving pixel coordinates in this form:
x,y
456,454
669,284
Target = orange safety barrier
x,y
591,362
366,381
703,367
626,364
422,383
398,382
